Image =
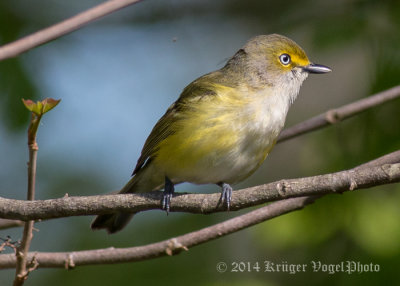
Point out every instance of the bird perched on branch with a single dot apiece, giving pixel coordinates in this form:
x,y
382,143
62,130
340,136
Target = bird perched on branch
x,y
223,125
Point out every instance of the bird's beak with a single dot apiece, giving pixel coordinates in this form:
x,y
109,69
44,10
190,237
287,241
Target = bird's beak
x,y
314,68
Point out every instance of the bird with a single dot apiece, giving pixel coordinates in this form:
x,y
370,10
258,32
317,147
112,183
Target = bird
x,y
222,126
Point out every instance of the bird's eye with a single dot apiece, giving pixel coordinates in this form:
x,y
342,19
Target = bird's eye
x,y
285,59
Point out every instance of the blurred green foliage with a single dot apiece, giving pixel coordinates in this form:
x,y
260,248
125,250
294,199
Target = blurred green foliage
x,y
358,226
15,82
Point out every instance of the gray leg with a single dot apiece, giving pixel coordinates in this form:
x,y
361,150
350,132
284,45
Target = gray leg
x,y
168,192
226,194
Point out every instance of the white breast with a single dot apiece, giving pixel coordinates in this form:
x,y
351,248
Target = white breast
x,y
266,113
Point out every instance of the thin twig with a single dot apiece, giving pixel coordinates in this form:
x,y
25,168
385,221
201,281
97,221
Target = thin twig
x,y
21,273
338,114
9,223
7,242
364,177
60,29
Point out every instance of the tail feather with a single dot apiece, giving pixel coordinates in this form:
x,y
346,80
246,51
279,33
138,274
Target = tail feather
x,y
111,222
114,222
144,181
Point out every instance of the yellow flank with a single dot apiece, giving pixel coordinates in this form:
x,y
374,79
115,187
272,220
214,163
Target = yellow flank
x,y
203,133
212,142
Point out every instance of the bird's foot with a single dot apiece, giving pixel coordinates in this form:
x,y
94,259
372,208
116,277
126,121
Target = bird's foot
x,y
226,194
168,192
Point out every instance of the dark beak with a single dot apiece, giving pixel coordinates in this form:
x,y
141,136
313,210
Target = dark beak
x,y
314,68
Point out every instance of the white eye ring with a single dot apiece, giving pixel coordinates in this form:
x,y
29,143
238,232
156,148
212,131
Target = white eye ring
x,y
285,59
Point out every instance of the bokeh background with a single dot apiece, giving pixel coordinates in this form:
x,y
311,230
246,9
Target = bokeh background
x,y
117,76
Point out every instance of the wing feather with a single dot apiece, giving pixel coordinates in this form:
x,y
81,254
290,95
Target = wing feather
x,y
196,91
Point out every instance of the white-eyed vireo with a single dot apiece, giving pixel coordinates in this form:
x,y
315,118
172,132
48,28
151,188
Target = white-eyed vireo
x,y
223,125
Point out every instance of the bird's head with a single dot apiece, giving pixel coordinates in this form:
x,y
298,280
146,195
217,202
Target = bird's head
x,y
275,61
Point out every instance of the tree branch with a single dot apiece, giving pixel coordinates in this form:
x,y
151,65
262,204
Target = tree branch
x,y
352,179
21,271
9,223
167,247
67,26
338,114
370,174
383,170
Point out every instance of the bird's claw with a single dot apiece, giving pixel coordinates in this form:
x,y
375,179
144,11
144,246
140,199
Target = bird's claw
x,y
168,192
226,194
166,201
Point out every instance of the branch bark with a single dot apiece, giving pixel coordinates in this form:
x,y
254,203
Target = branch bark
x,y
60,29
9,223
336,115
386,166
167,247
367,175
21,272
